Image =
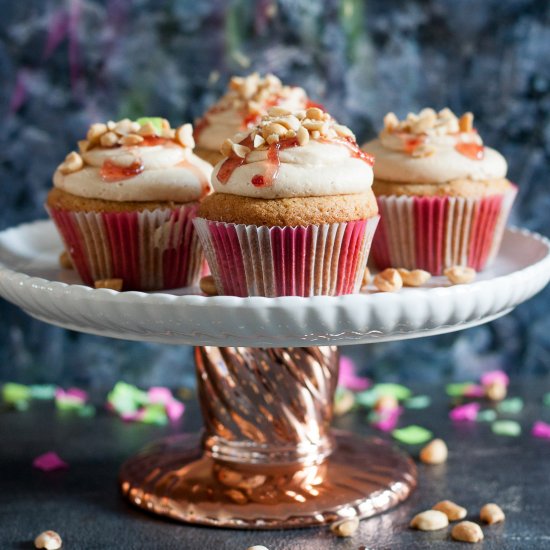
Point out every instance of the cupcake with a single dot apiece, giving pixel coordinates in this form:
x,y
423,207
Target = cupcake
x,y
443,196
293,212
125,204
247,99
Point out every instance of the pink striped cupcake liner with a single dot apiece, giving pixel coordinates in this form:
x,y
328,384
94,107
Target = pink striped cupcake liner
x,y
148,250
433,233
250,260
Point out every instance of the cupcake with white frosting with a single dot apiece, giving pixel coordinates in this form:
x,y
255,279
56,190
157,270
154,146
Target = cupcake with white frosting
x,y
443,195
125,204
293,212
246,101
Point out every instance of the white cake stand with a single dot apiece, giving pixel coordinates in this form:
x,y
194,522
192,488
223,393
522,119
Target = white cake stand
x,y
267,458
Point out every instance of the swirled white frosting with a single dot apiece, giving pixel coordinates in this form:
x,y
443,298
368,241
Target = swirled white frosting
x,y
170,173
317,169
394,163
225,119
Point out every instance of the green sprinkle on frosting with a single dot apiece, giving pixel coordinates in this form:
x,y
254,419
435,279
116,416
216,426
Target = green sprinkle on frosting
x,y
155,121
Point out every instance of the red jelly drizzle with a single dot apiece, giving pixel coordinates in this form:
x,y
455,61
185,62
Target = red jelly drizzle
x,y
111,172
473,151
151,141
310,104
412,143
205,186
199,126
353,148
258,181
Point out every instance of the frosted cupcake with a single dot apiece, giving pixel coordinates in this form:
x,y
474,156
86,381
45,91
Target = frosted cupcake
x,y
246,101
293,212
124,205
444,198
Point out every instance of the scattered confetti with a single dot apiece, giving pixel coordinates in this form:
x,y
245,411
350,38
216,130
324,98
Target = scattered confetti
x,y
486,415
474,390
418,402
508,428
42,391
48,462
15,394
156,406
465,413
495,377
386,420
344,400
86,411
513,405
348,378
546,399
71,399
541,429
412,435
393,390
459,389
366,398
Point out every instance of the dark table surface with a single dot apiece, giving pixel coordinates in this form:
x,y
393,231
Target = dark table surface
x,y
83,503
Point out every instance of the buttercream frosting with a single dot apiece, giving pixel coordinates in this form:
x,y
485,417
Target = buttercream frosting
x,y
433,147
299,162
155,169
243,105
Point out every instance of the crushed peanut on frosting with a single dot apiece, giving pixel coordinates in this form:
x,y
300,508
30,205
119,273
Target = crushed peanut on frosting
x,y
430,122
280,124
250,93
126,133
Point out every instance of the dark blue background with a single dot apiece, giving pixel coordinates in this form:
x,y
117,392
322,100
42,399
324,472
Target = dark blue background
x,y
65,64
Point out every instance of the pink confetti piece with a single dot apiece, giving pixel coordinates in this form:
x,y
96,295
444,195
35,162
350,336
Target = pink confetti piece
x,y
541,429
134,416
174,410
347,377
72,394
388,419
160,394
48,462
465,413
495,377
474,391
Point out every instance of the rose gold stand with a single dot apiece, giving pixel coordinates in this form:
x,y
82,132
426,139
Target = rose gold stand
x,y
267,458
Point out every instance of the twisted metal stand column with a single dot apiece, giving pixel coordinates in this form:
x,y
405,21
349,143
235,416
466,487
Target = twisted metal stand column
x,y
267,458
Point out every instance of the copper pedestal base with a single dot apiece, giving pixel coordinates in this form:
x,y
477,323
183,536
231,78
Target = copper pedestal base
x,y
176,478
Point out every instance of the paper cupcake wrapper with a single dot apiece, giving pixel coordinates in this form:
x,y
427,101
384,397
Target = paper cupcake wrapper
x,y
148,250
433,233
250,260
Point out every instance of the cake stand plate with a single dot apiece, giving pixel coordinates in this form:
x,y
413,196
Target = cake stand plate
x,y
267,458
31,278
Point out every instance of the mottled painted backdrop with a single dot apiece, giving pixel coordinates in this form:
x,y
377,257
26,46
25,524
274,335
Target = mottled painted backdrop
x,y
64,64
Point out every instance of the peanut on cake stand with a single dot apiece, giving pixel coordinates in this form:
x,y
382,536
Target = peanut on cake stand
x,y
267,370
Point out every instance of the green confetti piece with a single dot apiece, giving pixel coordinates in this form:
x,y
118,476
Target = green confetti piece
x,y
458,389
126,399
20,405
13,393
513,405
393,390
412,435
366,398
155,414
87,411
68,403
486,415
509,428
418,402
156,122
546,399
42,391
